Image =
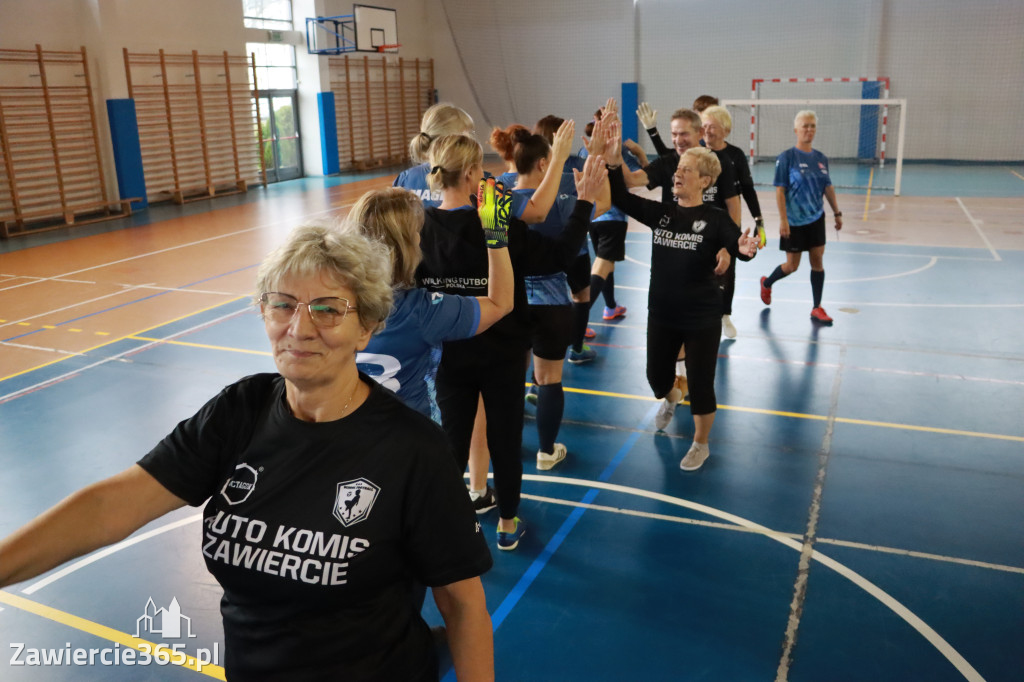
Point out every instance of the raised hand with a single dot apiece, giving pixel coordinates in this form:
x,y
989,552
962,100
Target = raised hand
x,y
610,107
612,142
561,147
648,117
494,206
590,179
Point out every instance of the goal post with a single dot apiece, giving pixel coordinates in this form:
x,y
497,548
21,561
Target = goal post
x,y
845,135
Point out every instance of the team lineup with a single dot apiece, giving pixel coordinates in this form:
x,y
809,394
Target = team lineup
x,y
402,337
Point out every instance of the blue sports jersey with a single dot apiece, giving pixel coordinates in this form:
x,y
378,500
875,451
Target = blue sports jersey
x,y
405,355
550,289
804,176
508,178
415,180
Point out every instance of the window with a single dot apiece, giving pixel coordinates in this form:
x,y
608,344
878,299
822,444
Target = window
x,y
275,65
269,14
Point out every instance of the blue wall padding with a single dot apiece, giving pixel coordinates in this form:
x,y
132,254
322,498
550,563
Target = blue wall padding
x,y
124,135
630,101
328,132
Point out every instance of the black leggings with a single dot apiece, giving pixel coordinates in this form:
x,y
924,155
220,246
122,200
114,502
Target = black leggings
x,y
500,383
663,344
727,282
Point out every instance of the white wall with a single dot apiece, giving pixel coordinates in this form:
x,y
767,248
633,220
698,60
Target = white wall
x,y
960,65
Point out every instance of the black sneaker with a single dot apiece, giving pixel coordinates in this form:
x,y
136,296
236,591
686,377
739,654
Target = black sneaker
x,y
485,502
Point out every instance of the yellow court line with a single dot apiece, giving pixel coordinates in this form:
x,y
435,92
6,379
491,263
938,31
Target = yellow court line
x,y
814,417
104,632
122,338
201,345
867,199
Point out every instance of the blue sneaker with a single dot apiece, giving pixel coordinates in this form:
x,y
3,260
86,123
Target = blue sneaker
x,y
614,313
585,355
509,541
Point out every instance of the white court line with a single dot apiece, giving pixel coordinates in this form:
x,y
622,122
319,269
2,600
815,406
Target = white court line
x,y
25,346
296,220
118,356
940,644
685,520
103,553
73,305
930,264
977,228
936,640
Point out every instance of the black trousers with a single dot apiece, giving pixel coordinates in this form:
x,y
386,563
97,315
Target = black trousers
x,y
701,345
500,382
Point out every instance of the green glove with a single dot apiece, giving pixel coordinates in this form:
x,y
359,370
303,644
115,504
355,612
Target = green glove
x,y
494,206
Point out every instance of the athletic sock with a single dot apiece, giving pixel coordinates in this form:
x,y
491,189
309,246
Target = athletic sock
x,y
776,275
581,314
550,405
609,290
817,284
596,287
681,367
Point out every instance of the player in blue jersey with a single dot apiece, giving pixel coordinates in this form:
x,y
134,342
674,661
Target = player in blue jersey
x,y
404,356
608,230
801,180
440,119
548,294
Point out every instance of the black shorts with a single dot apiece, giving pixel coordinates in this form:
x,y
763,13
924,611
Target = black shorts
x,y
578,273
609,237
551,330
804,237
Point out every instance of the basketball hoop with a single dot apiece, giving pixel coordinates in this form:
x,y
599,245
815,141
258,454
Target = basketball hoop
x,y
385,48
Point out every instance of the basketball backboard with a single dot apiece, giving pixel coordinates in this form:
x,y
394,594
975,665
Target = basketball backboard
x,y
376,28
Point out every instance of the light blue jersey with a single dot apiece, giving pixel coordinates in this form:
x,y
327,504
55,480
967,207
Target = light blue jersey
x,y
415,180
404,356
804,175
550,289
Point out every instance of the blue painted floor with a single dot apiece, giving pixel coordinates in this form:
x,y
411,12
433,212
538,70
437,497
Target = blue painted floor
x,y
899,431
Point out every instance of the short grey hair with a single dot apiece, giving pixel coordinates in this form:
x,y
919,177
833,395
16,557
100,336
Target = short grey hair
x,y
349,258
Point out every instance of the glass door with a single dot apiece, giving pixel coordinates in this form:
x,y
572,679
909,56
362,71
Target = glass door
x,y
282,153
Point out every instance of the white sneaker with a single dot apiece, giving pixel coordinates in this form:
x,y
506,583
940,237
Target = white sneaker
x,y
667,409
728,328
695,457
546,461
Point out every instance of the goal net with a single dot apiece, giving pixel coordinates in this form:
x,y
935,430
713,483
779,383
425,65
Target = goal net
x,y
862,138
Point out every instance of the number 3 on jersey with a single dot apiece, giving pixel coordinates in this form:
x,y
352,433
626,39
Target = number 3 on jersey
x,y
381,368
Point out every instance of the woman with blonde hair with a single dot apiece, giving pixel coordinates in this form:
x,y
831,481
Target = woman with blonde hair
x,y
493,363
281,450
404,356
692,243
439,120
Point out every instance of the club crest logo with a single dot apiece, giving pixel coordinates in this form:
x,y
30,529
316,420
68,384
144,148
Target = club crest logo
x,y
665,220
699,225
354,501
241,484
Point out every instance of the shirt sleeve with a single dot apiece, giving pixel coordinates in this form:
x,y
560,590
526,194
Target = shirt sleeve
x,y
189,460
447,317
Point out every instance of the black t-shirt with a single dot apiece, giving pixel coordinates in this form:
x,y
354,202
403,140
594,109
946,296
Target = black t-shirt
x,y
316,531
660,173
683,292
455,262
726,186
743,178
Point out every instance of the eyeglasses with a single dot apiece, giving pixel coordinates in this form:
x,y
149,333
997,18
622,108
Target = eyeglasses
x,y
325,312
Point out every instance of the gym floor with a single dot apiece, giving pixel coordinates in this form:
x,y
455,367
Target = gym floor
x,y
859,517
